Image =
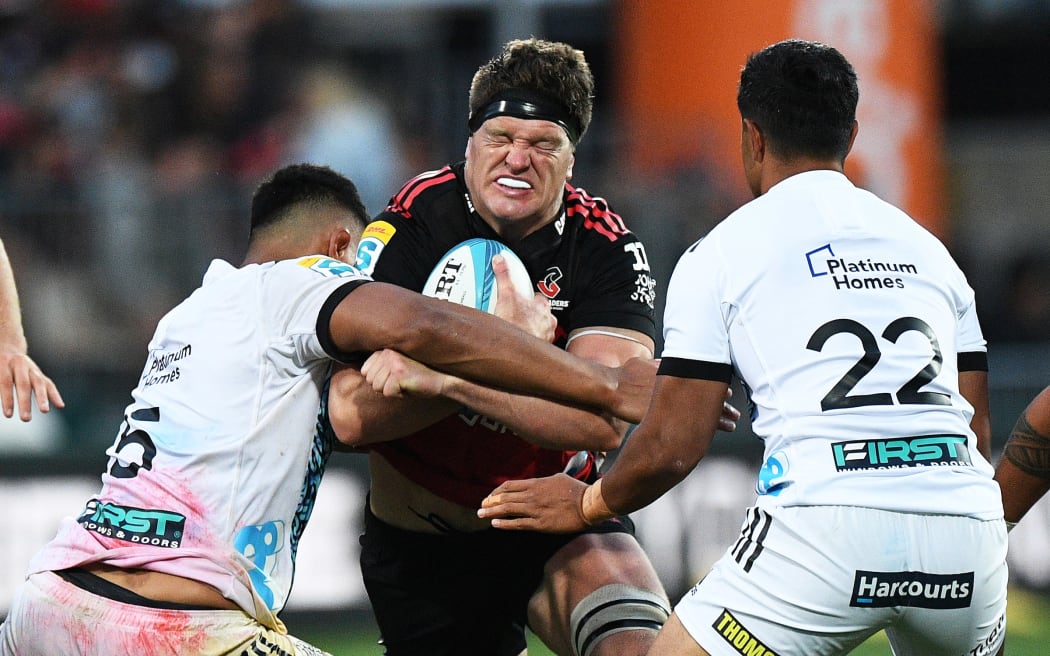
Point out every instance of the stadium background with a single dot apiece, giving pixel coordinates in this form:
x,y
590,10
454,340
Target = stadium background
x,y
133,132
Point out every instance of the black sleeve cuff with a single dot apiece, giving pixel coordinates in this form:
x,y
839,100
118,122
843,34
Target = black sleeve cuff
x,y
973,361
683,368
324,322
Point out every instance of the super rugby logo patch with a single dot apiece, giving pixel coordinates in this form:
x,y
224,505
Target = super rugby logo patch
x,y
373,240
330,268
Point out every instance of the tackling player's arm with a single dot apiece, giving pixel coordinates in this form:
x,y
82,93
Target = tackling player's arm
x,y
1023,472
663,450
359,416
555,425
478,346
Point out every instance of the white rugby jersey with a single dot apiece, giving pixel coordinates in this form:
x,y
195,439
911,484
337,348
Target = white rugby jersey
x,y
214,470
843,318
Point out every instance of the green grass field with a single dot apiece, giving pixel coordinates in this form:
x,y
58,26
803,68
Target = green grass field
x,y
1027,633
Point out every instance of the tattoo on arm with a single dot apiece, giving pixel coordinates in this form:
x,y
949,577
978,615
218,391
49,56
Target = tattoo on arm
x,y
1028,449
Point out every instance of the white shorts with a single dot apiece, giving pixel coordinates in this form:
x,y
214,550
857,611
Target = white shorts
x,y
50,616
819,580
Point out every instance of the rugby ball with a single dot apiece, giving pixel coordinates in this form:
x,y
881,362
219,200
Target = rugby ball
x,y
464,275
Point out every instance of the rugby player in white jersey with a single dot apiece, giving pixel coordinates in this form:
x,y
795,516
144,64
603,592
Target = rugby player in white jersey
x,y
189,547
856,336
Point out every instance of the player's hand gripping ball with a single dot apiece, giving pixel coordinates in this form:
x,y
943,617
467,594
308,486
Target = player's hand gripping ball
x,y
464,275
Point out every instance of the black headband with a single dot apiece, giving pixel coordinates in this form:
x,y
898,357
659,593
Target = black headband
x,y
527,105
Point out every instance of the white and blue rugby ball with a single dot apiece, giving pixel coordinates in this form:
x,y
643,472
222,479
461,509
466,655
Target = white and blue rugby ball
x,y
464,275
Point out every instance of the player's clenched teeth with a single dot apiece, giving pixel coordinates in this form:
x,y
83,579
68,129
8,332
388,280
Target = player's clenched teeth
x,y
514,183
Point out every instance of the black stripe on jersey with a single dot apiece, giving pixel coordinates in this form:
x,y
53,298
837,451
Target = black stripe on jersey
x,y
324,320
973,361
749,546
684,368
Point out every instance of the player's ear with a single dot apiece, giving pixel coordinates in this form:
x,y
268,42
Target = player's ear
x,y
756,140
339,243
572,160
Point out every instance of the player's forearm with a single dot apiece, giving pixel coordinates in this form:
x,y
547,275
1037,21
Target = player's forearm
x,y
12,337
473,345
510,358
1023,472
359,416
668,444
644,473
545,423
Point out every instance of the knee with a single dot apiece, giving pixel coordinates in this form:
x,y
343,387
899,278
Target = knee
x,y
611,609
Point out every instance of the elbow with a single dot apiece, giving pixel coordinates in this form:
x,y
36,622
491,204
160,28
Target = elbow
x,y
348,432
679,468
346,415
682,463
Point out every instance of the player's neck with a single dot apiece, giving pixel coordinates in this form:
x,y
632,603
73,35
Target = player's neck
x,y
777,170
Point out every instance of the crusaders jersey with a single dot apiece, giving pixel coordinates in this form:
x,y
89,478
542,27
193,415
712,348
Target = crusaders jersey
x,y
849,324
587,263
214,471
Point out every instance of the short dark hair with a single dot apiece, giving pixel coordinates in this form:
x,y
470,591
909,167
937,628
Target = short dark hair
x,y
803,96
555,71
300,184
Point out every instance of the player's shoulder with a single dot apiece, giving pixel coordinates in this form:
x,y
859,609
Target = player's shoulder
x,y
321,266
594,216
304,275
420,194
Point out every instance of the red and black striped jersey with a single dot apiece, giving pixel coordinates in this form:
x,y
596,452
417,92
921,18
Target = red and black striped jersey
x,y
587,263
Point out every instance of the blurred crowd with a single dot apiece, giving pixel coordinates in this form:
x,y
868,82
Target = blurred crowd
x,y
132,134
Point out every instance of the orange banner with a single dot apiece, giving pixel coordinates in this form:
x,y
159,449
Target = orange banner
x,y
681,60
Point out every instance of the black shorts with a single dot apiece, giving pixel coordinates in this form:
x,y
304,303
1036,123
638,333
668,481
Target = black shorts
x,y
461,593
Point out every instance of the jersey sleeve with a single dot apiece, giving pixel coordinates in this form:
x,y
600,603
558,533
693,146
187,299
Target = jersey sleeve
x,y
622,291
297,293
971,339
696,316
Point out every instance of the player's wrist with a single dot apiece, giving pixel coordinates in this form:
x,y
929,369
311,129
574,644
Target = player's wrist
x,y
593,508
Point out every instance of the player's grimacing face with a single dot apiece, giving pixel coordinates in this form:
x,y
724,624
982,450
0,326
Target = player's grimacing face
x,y
516,170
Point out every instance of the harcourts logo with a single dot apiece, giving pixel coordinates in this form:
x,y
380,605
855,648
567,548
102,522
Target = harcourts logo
x,y
737,635
156,528
915,589
897,452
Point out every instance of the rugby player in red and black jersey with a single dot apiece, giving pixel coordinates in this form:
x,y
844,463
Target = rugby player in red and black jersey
x,y
440,580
